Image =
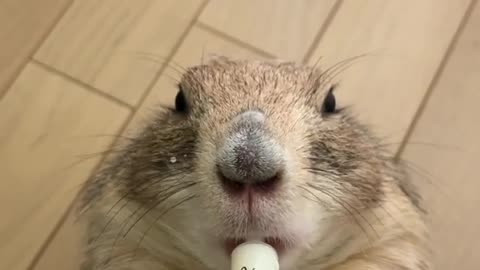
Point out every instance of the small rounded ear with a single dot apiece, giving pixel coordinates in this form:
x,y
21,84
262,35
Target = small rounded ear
x,y
329,102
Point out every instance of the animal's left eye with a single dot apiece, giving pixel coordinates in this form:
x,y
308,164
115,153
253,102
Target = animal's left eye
x,y
180,101
329,103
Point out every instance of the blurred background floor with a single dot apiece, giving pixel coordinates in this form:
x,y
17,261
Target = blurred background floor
x,y
74,74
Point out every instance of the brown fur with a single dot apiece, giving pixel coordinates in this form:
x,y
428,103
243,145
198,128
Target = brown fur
x,y
158,204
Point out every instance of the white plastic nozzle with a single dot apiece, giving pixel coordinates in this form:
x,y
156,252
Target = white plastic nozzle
x,y
254,255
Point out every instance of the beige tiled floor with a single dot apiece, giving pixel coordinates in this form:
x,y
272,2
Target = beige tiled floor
x,y
70,80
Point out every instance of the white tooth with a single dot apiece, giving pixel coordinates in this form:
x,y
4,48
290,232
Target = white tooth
x,y
254,255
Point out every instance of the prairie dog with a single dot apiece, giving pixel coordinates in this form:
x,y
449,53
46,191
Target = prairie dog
x,y
253,149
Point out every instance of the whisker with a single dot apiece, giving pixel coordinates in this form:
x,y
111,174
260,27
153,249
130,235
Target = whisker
x,y
186,199
110,220
87,157
359,200
351,214
100,153
156,204
349,205
314,68
163,60
382,207
425,176
172,78
379,219
172,64
124,196
149,208
180,70
115,136
326,75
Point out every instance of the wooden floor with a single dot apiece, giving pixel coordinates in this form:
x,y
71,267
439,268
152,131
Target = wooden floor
x,y
73,74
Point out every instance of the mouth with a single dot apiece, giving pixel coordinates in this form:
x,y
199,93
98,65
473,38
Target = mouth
x,y
278,244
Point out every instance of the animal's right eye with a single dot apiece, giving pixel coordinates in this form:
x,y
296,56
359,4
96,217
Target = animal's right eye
x,y
180,101
329,103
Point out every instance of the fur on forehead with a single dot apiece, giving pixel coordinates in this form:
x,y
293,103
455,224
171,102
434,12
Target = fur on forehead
x,y
226,78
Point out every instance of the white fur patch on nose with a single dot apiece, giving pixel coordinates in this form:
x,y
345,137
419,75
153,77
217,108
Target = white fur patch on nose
x,y
250,116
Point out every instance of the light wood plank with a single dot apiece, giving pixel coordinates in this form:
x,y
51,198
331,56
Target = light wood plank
x,y
48,126
99,42
64,252
405,42
451,123
283,28
23,25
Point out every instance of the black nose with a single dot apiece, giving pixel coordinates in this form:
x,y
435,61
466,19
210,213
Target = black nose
x,y
249,156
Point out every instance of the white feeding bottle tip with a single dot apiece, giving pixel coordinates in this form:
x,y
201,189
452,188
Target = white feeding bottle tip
x,y
254,255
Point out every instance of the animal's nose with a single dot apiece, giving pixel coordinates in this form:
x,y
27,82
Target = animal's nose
x,y
249,156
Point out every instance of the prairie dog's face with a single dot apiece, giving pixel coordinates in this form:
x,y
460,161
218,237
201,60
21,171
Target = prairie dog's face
x,y
264,152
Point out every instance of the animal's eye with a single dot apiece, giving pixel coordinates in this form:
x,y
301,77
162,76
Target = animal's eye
x,y
329,103
180,102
